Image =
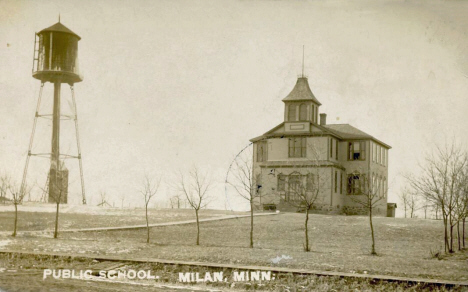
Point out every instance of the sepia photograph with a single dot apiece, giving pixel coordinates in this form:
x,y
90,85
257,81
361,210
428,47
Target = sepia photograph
x,y
237,145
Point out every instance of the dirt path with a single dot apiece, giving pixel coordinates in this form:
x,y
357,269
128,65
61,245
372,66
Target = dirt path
x,y
158,224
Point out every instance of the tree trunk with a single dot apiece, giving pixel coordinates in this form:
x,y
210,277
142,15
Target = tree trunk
x,y
16,220
56,220
251,224
372,232
147,224
445,233
451,238
458,235
464,232
198,227
306,247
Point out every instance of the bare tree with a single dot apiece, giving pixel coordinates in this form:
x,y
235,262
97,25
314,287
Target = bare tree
x,y
148,191
441,182
404,199
195,186
103,199
122,199
461,206
176,201
5,183
245,184
367,190
413,204
465,196
426,206
17,196
305,188
58,190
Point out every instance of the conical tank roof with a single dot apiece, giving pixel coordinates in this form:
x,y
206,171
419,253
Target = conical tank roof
x,y
301,91
59,27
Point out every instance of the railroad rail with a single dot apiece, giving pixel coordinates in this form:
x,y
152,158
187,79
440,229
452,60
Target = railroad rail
x,y
234,267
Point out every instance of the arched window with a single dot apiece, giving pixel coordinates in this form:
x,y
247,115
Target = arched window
x,y
292,113
303,112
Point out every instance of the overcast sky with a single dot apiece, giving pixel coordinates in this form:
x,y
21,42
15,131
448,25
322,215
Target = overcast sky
x,y
170,84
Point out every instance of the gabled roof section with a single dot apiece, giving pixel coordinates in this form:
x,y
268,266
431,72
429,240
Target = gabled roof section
x,y
279,131
301,91
59,27
349,132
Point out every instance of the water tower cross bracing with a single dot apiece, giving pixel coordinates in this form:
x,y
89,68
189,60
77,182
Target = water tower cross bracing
x,y
56,61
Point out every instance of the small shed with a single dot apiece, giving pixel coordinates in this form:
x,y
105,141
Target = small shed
x,y
391,209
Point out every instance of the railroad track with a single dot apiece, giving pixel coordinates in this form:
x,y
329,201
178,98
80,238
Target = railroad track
x,y
113,262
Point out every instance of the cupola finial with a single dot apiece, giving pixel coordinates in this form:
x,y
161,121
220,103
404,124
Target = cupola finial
x,y
303,61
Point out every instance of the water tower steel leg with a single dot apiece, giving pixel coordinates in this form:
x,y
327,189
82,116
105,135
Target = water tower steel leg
x,y
31,139
78,144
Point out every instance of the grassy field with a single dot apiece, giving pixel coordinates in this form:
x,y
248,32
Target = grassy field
x,y
339,243
104,217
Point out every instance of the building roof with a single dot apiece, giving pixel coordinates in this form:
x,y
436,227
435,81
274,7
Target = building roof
x,y
346,131
341,131
279,131
301,91
59,27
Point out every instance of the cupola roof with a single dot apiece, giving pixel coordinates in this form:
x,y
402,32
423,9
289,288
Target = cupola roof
x,y
301,91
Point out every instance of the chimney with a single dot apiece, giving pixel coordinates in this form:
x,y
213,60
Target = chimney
x,y
323,119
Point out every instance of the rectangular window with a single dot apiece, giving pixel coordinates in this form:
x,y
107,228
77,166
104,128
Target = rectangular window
x,y
261,151
378,154
292,113
281,182
374,148
341,182
336,181
357,150
382,159
310,182
297,147
331,147
336,149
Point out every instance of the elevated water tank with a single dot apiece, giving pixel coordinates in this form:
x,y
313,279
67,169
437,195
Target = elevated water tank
x,y
56,55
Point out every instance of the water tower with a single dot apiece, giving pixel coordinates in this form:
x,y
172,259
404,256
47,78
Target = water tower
x,y
56,61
